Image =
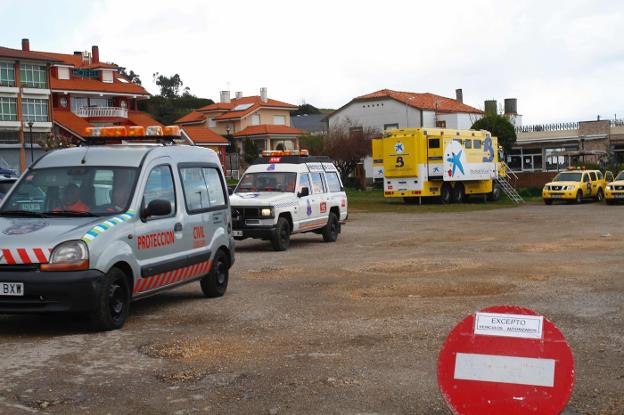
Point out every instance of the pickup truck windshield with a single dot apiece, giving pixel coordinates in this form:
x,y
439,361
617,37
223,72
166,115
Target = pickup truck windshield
x,y
267,182
73,191
568,177
620,176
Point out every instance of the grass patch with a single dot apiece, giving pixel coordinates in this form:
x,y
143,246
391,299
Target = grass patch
x,y
374,201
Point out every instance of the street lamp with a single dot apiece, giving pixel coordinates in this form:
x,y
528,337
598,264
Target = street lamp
x,y
32,157
230,148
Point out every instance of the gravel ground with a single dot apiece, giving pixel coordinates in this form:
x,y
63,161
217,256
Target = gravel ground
x,y
347,328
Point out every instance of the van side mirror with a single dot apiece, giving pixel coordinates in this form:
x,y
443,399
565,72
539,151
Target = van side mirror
x,y
157,207
304,192
231,190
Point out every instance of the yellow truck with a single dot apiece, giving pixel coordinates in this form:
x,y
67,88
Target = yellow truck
x,y
443,163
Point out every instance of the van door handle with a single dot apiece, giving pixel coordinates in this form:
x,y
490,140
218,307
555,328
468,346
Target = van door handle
x,y
177,227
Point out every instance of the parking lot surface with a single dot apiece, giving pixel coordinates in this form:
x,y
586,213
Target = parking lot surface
x,y
351,327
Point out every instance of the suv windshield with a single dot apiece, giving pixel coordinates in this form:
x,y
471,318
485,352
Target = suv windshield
x,y
73,191
568,177
620,176
267,182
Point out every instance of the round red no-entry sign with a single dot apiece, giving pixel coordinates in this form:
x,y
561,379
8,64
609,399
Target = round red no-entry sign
x,y
506,360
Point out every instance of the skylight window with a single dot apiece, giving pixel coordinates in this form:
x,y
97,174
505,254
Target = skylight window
x,y
122,80
242,107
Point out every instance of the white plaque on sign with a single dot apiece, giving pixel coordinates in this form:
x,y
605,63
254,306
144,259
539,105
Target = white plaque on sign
x,y
509,325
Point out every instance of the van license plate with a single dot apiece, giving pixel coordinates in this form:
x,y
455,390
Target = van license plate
x,y
556,196
237,233
15,289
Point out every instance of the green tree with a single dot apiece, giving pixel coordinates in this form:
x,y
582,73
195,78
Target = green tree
x,y
305,109
168,110
131,76
500,127
312,143
169,85
251,150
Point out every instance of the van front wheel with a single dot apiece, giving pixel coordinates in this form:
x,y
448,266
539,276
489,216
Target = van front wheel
x,y
114,302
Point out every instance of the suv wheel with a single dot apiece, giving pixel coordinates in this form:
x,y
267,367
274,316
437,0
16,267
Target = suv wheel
x,y
579,196
332,229
599,195
215,282
114,302
548,201
281,238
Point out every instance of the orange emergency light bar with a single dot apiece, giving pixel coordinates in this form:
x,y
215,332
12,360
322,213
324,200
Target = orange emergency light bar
x,y
281,153
133,131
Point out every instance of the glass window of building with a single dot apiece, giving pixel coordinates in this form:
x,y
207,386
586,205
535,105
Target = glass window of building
x,y
33,76
35,110
7,74
8,109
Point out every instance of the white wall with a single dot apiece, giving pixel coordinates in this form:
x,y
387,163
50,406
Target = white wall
x,y
377,113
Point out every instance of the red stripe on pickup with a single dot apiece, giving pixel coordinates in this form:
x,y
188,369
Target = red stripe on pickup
x,y
40,256
8,256
24,256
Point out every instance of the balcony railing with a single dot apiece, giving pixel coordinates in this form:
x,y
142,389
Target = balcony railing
x,y
562,126
102,112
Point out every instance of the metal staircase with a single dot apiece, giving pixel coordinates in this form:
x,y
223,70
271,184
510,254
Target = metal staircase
x,y
507,184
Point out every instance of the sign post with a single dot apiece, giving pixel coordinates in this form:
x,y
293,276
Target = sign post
x,y
506,360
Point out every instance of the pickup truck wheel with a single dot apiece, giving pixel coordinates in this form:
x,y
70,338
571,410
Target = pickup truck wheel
x,y
214,284
599,196
579,197
332,229
114,302
610,202
281,238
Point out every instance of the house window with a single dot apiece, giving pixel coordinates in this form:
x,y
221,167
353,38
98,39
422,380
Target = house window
x,y
394,126
356,131
440,124
7,74
9,137
85,73
63,73
33,76
35,110
212,123
107,76
279,120
78,102
255,119
8,109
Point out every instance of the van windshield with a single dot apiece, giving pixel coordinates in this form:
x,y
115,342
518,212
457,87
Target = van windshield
x,y
620,176
568,177
267,182
73,191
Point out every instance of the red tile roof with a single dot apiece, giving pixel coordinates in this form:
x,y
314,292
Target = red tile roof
x,y
77,125
76,60
268,129
142,118
192,117
79,84
255,101
424,101
71,122
204,135
20,54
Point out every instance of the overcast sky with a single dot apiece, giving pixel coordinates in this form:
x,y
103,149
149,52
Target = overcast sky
x,y
562,60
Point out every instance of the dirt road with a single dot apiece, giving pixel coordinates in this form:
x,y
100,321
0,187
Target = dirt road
x,y
349,328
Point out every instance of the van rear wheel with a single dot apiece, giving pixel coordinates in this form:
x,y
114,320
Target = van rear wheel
x,y
458,193
214,284
445,194
113,303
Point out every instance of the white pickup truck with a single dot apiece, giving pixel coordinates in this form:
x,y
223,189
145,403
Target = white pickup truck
x,y
283,193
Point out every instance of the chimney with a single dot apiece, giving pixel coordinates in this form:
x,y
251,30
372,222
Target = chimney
x,y
26,45
491,107
459,95
239,94
225,97
511,106
95,54
77,53
263,94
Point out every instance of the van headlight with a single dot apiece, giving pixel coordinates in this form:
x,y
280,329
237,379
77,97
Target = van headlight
x,y
68,256
266,212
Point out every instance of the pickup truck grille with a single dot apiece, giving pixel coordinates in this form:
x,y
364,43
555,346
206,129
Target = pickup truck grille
x,y
239,214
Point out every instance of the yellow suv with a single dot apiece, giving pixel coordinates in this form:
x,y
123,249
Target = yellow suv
x,y
576,185
615,189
